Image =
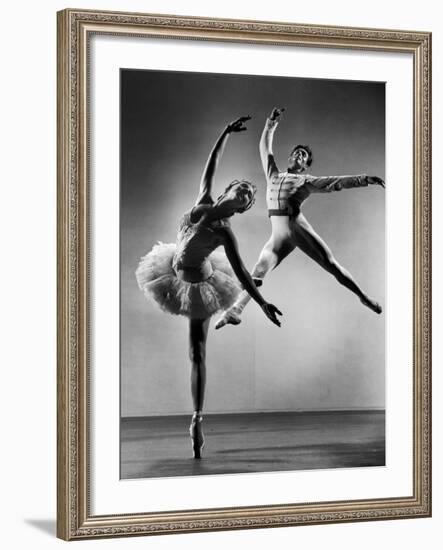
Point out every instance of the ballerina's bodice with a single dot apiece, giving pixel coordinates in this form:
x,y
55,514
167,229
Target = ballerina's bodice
x,y
195,242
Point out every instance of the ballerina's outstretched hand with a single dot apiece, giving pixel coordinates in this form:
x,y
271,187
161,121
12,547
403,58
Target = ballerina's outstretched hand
x,y
271,312
238,125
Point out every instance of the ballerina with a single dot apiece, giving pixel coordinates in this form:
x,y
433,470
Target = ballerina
x,y
286,191
190,278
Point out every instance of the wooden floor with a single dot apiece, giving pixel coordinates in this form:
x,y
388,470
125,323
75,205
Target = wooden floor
x,y
262,442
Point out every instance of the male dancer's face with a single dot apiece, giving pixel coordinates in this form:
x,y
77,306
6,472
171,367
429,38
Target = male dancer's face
x,y
298,159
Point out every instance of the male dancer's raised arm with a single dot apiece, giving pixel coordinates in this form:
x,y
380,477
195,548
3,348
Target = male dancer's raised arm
x,y
266,153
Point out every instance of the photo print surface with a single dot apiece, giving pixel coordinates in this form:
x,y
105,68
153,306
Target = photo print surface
x,y
243,197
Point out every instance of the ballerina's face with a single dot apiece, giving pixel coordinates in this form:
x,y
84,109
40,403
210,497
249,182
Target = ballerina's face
x,y
237,198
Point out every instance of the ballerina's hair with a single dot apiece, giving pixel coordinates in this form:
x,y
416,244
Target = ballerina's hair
x,y
308,150
253,189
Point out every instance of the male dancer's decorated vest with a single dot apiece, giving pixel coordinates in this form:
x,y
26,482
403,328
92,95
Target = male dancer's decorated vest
x,y
285,193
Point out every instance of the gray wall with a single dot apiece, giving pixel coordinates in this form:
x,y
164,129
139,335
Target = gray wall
x,y
329,352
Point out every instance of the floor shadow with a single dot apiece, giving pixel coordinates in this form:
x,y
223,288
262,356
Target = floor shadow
x,y
48,526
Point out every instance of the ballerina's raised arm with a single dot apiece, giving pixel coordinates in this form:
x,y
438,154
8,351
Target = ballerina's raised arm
x,y
207,180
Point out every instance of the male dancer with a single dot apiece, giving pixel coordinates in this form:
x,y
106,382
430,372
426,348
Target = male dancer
x,y
286,191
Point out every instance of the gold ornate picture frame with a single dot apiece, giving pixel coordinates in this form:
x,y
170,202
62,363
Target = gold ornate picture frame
x,y
76,518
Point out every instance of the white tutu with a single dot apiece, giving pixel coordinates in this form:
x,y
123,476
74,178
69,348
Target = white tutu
x,y
157,279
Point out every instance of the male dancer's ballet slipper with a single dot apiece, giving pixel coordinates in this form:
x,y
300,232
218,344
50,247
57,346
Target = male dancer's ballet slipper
x,y
229,317
372,304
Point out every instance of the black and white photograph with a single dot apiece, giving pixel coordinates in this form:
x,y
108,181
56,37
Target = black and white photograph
x,y
252,274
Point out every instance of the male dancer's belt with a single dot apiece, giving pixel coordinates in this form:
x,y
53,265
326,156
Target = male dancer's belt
x,y
288,211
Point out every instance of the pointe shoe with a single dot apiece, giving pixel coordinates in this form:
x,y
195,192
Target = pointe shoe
x,y
196,433
229,317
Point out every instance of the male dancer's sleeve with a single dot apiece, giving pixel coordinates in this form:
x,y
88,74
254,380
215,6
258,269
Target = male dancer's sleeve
x,y
266,154
327,184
